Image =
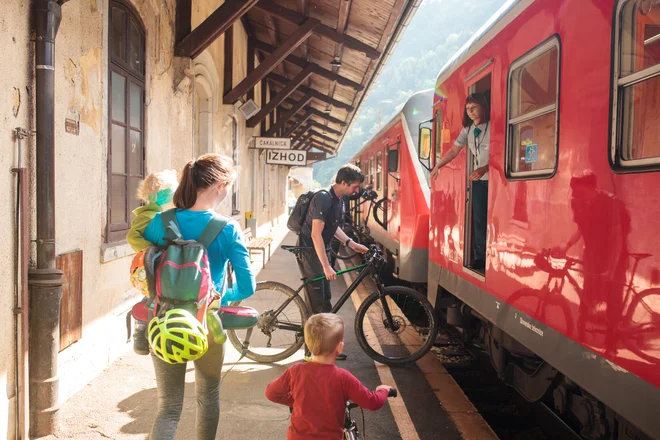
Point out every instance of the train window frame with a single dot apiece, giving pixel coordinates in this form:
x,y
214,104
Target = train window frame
x,y
620,119
371,170
437,127
379,170
552,43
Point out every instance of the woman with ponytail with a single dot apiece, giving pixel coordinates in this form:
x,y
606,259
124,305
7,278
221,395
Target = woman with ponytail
x,y
204,184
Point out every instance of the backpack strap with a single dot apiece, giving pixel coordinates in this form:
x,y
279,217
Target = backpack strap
x,y
169,221
212,230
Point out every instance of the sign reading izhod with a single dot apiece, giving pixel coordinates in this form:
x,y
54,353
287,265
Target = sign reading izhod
x,y
291,157
272,143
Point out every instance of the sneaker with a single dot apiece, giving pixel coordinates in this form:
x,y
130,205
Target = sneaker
x,y
140,342
342,356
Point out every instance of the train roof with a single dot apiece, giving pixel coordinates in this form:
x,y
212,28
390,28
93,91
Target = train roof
x,y
498,21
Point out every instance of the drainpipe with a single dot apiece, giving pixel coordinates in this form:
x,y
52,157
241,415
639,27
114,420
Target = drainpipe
x,y
45,281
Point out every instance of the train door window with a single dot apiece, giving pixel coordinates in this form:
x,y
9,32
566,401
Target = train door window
x,y
355,210
636,111
532,112
438,137
379,170
371,171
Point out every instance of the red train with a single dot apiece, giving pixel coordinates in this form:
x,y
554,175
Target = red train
x,y
400,220
568,304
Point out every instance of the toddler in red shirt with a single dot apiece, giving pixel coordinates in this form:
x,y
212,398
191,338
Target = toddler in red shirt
x,y
318,390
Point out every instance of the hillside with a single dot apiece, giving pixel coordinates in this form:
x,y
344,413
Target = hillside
x,y
438,29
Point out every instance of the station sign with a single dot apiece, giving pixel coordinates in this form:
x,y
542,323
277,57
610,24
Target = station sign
x,y
271,143
290,157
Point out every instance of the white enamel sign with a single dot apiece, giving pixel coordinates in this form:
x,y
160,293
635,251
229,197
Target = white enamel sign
x,y
283,157
272,143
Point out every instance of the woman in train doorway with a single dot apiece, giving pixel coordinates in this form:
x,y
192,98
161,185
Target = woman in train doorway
x,y
476,135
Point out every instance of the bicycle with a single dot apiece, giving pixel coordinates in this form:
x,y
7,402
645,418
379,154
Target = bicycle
x,y
394,325
359,233
351,431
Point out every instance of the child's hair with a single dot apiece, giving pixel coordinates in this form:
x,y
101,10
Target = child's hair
x,y
208,170
323,333
155,182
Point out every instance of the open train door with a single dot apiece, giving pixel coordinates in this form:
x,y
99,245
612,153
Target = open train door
x,y
481,85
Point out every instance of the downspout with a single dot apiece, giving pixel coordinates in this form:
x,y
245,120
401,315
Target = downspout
x,y
45,281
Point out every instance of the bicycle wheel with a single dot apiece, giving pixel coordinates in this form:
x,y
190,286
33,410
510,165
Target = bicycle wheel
x,y
338,249
407,336
274,338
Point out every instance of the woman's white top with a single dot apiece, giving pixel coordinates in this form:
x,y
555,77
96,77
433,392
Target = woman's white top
x,y
479,145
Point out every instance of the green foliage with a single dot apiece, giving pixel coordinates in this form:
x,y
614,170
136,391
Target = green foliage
x,y
438,29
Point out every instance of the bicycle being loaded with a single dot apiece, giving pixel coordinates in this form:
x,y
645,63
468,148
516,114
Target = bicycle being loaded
x,y
359,232
394,325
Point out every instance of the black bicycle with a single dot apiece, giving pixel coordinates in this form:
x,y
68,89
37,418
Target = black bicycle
x,y
360,232
351,431
394,325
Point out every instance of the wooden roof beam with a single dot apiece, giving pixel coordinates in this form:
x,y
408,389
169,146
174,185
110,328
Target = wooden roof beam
x,y
269,63
323,127
315,93
325,138
215,25
277,100
318,70
294,17
302,10
319,113
282,120
326,116
322,147
301,141
297,125
342,24
303,130
272,31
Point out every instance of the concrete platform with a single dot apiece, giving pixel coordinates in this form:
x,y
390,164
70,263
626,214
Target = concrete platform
x,y
119,404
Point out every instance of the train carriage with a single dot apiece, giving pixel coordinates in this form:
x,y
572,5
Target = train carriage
x,y
399,222
568,304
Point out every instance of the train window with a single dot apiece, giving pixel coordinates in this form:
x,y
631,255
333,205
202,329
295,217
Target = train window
x,y
371,171
379,169
438,136
532,112
637,85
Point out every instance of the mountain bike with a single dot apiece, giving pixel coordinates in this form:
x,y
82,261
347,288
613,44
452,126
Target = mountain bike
x,y
351,431
394,325
359,233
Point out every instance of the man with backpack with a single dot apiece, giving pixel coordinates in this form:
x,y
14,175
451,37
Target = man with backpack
x,y
316,219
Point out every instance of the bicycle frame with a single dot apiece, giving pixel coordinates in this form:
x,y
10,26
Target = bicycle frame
x,y
366,270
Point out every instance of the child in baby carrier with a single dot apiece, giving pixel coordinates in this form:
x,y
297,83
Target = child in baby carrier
x,y
156,191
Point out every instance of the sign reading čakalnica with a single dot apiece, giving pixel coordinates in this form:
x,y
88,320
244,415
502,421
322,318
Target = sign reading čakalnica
x,y
292,157
272,143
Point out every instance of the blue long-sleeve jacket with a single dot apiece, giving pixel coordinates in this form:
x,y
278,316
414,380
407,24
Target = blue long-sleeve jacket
x,y
228,246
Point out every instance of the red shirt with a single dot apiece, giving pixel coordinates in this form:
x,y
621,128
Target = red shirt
x,y
318,395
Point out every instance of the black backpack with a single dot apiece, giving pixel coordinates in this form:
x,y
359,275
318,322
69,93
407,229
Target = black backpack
x,y
299,213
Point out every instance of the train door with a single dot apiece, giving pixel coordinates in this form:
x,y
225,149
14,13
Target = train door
x,y
381,181
476,200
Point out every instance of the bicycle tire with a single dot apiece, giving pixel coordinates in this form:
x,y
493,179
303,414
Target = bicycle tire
x,y
347,253
252,352
402,302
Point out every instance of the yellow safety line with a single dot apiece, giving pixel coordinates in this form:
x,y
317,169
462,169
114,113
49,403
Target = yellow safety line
x,y
398,407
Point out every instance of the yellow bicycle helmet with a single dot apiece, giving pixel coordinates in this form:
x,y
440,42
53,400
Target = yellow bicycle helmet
x,y
177,337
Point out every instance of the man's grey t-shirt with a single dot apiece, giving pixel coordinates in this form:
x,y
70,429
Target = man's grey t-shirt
x,y
325,206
